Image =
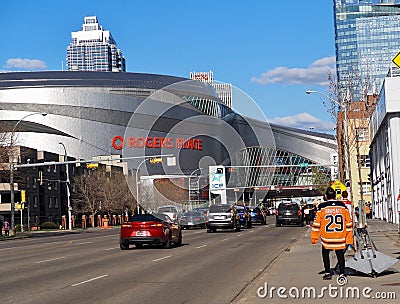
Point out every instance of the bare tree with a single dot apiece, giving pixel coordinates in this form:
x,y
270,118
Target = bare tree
x,y
88,192
116,194
356,104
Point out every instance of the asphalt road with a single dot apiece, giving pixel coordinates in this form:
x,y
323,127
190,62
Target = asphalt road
x,y
89,267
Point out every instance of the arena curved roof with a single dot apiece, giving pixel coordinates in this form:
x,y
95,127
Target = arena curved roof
x,y
312,145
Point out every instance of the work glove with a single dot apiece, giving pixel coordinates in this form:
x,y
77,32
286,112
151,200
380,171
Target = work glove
x,y
314,241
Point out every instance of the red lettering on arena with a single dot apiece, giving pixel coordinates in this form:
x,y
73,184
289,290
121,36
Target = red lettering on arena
x,y
115,144
118,142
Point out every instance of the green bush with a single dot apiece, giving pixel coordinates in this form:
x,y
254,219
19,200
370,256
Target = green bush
x,y
48,225
18,227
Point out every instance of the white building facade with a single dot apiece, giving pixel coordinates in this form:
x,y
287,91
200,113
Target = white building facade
x,y
94,49
223,90
385,152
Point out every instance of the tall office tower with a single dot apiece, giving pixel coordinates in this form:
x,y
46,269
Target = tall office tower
x,y
94,49
223,90
367,37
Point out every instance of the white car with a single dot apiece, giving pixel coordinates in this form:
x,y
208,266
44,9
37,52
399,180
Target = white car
x,y
172,211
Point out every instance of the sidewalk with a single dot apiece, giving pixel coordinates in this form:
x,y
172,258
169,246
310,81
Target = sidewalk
x,y
55,232
300,265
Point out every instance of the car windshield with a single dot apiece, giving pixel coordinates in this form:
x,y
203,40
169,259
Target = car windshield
x,y
193,213
163,217
287,206
143,218
166,209
220,208
240,210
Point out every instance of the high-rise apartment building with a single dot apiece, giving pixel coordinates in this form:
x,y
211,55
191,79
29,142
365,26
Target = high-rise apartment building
x,y
367,37
223,90
94,49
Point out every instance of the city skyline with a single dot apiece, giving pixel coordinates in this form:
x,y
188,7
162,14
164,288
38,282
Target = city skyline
x,y
274,65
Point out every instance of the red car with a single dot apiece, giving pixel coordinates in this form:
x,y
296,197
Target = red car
x,y
150,229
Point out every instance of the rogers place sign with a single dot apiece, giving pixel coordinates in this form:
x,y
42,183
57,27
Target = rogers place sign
x,y
119,142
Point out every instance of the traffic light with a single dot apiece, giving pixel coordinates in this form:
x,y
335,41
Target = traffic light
x,y
23,196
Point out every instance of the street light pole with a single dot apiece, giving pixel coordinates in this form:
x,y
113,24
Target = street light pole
x,y
11,159
343,106
68,191
190,177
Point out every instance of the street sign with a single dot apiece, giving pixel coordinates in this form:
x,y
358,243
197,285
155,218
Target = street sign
x,y
335,166
339,187
92,166
396,60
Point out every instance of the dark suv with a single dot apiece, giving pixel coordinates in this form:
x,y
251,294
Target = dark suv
x,y
289,213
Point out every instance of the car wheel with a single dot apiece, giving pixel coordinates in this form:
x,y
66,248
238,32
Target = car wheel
x,y
138,245
179,243
123,245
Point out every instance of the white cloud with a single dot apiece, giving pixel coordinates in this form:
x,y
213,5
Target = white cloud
x,y
25,64
304,121
314,74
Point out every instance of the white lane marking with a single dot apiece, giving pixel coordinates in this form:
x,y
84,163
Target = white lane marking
x,y
112,248
198,247
240,234
50,260
252,231
9,248
84,243
225,239
87,281
166,257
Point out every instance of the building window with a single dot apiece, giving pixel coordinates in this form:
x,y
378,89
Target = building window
x,y
28,182
49,186
364,161
366,186
56,202
35,202
363,134
51,202
34,185
55,169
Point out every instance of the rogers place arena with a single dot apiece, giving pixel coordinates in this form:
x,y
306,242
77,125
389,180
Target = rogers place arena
x,y
143,115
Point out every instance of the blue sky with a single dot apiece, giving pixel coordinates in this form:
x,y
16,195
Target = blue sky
x,y
272,50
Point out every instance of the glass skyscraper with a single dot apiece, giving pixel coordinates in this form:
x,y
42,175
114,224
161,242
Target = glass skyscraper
x,y
367,37
94,49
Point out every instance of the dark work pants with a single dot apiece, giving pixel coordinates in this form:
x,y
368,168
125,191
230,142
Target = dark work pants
x,y
327,263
